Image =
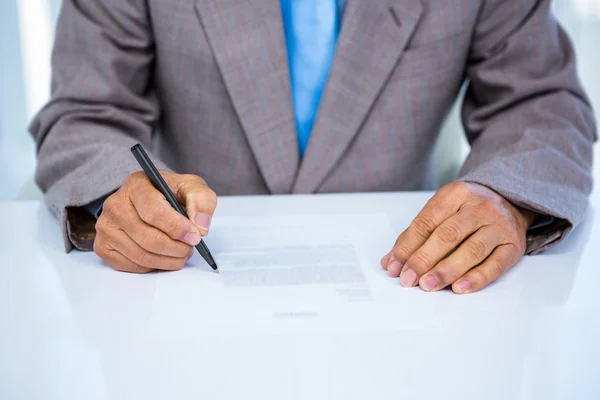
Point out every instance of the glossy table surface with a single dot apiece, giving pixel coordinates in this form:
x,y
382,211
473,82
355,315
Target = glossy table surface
x,y
71,328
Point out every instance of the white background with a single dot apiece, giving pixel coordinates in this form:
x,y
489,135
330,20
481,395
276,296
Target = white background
x,y
26,34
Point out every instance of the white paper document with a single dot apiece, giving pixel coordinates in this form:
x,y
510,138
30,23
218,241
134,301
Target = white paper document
x,y
306,273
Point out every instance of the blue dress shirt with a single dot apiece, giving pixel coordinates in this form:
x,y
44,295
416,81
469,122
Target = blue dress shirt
x,y
311,29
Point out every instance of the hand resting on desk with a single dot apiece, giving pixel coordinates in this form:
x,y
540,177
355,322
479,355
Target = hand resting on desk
x,y
139,231
466,236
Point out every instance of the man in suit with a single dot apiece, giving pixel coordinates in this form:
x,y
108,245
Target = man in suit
x,y
316,96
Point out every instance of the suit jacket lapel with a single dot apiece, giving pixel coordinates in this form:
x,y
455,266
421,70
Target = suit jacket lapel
x,y
372,39
248,42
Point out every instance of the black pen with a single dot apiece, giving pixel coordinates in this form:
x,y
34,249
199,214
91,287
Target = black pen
x,y
160,184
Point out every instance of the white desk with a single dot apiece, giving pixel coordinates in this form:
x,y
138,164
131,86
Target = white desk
x,y
71,328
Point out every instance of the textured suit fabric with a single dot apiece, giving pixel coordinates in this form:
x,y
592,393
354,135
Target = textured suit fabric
x,y
206,84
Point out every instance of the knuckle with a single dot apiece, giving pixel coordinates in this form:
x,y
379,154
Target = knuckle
x,y
449,233
480,277
449,272
152,241
517,248
143,258
203,196
420,262
192,178
486,206
129,180
488,273
423,226
496,269
136,176
401,253
132,179
100,226
457,185
176,228
110,205
401,237
189,183
211,197
476,248
459,188
152,213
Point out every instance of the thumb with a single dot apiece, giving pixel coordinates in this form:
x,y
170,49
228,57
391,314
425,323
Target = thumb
x,y
198,199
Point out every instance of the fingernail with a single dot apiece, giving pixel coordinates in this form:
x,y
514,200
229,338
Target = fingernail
x,y
202,220
463,285
408,278
192,238
394,268
429,282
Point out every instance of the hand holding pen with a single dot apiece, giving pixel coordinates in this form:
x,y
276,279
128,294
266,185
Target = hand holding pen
x,y
141,230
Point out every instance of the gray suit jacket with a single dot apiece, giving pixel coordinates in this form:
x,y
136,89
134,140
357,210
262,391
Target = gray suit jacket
x,y
206,83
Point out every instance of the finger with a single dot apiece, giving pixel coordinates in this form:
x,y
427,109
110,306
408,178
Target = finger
x,y
121,263
121,242
470,254
443,240
148,237
386,260
438,209
199,200
392,265
152,207
501,260
157,242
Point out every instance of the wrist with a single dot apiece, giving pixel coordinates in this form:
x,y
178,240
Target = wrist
x,y
528,216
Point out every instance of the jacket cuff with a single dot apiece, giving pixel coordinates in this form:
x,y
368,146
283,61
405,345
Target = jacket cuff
x,y
545,236
81,224
69,197
81,228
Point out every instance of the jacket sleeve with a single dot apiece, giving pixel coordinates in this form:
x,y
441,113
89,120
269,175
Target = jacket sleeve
x,y
527,118
101,104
